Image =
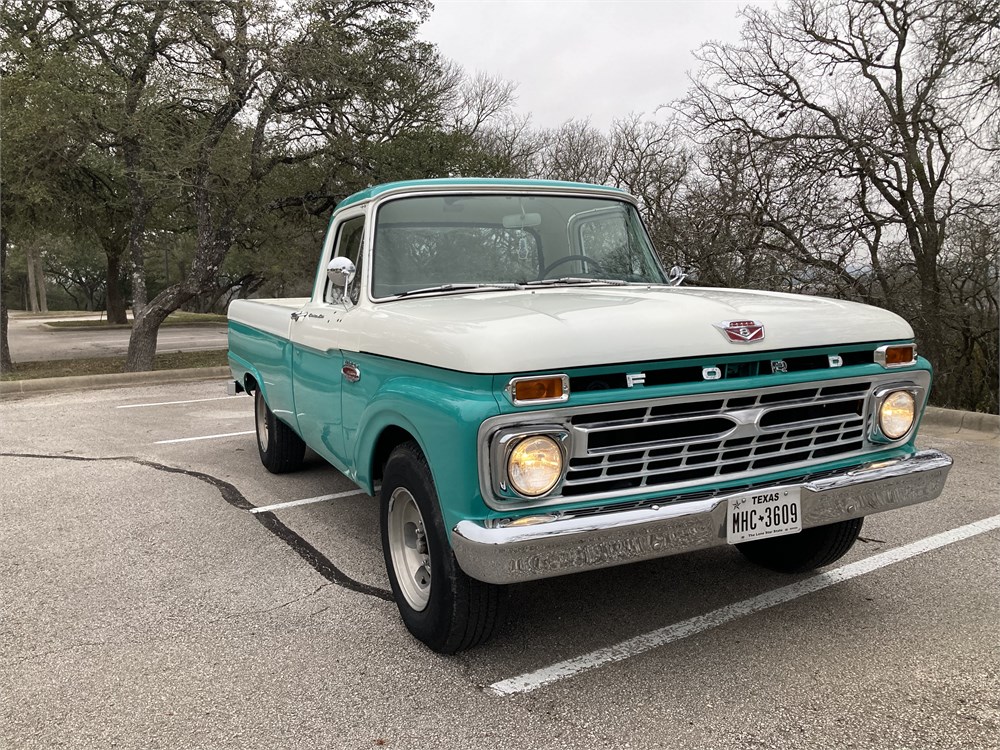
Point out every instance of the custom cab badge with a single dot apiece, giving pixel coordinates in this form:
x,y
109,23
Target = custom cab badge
x,y
742,331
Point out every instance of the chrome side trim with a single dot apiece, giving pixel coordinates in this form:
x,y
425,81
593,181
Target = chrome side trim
x,y
569,544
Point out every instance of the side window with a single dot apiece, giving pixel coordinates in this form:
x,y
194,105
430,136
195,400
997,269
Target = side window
x,y
350,236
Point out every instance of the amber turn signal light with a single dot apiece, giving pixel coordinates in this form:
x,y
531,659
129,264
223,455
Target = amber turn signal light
x,y
544,389
896,355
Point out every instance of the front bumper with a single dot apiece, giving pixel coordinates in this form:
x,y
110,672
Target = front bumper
x,y
570,545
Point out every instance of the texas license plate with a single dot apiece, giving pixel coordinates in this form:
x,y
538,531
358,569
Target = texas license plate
x,y
762,514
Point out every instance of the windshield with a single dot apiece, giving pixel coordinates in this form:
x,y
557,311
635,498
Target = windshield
x,y
455,242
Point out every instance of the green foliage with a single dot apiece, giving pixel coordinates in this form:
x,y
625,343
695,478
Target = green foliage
x,y
204,144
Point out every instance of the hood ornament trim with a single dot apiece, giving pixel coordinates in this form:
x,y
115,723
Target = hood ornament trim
x,y
741,331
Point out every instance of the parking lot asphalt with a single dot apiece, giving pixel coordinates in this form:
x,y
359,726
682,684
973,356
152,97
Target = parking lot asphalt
x,y
143,604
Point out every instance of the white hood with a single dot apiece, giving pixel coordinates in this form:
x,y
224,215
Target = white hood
x,y
546,329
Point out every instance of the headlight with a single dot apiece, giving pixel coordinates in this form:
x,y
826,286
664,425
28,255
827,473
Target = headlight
x,y
535,465
895,416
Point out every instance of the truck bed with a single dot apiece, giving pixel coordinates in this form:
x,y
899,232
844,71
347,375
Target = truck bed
x,y
270,315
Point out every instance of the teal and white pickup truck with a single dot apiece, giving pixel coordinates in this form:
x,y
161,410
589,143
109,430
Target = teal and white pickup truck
x,y
506,364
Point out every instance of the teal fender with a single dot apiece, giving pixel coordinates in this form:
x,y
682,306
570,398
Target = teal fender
x,y
441,409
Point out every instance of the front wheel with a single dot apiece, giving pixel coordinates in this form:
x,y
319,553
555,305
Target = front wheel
x,y
281,450
809,549
440,605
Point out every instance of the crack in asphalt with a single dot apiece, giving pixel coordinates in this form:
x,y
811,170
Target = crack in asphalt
x,y
275,608
316,559
871,540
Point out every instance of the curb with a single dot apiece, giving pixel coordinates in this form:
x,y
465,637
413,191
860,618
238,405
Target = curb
x,y
88,382
963,421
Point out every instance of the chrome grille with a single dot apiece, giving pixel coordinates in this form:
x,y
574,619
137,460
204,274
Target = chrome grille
x,y
714,437
672,446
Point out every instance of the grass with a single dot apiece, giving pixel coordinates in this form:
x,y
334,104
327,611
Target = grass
x,y
106,365
175,319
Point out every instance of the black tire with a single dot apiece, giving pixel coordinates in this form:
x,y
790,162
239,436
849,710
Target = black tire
x,y
440,605
809,549
281,450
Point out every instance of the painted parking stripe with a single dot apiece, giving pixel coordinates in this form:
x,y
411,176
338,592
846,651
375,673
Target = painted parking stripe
x,y
203,437
529,681
307,501
180,348
171,403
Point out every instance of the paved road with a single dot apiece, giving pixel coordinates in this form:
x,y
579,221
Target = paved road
x,y
144,606
32,340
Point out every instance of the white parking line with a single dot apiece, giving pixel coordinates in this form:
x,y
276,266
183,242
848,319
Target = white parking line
x,y
171,403
203,348
307,501
203,437
529,681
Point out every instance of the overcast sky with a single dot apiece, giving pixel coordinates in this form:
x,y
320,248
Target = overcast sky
x,y
573,59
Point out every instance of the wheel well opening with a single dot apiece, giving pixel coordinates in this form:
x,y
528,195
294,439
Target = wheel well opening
x,y
249,383
389,439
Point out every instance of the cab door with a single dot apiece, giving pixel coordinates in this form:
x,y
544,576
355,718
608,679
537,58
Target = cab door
x,y
320,333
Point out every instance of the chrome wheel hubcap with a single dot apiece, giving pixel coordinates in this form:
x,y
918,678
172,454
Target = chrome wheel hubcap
x,y
411,560
261,414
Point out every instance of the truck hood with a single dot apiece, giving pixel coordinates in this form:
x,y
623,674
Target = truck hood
x,y
546,329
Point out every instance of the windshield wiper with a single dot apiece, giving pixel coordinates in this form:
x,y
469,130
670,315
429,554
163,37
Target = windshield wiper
x,y
575,280
456,288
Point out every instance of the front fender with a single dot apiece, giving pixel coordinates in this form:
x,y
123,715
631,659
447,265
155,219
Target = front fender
x,y
441,409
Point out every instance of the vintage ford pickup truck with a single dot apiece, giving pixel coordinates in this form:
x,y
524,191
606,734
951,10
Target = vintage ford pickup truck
x,y
507,365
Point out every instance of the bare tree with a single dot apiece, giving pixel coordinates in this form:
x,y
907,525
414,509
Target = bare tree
x,y
481,100
650,160
578,152
850,93
514,147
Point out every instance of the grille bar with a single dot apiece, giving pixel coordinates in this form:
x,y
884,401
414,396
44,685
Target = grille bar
x,y
746,434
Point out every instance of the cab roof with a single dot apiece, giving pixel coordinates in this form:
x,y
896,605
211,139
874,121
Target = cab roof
x,y
476,182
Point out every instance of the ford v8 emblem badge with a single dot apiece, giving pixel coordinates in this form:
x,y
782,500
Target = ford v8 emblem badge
x,y
742,331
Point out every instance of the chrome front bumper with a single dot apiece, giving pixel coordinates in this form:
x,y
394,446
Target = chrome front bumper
x,y
570,545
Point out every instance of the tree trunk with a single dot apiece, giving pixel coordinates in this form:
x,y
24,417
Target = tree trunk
x,y
146,326
43,295
29,262
926,246
142,343
6,364
139,204
113,290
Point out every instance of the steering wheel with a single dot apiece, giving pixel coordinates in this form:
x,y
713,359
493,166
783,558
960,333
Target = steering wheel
x,y
595,266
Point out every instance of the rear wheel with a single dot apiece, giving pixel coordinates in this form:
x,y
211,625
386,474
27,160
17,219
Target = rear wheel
x,y
281,450
440,605
809,549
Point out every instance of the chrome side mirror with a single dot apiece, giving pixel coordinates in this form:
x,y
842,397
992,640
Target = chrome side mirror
x,y
676,276
341,272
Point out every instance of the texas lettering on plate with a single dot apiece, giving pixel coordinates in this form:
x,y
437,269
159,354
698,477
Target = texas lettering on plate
x,y
761,514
